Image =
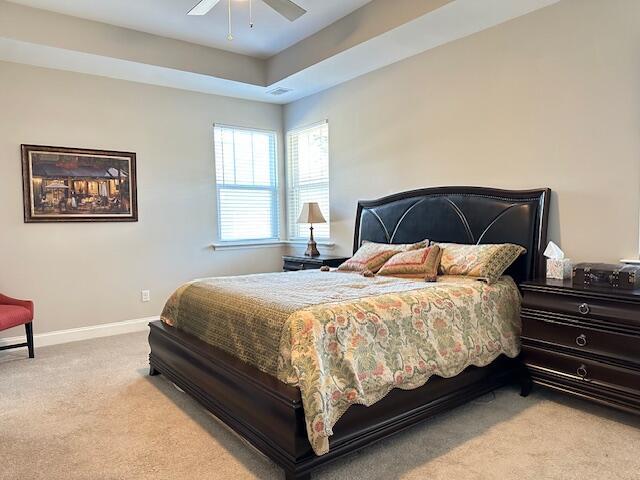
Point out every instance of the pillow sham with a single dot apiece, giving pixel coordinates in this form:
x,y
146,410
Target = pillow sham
x,y
371,256
421,263
488,261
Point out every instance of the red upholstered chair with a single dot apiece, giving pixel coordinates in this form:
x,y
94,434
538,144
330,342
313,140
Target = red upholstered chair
x,y
15,312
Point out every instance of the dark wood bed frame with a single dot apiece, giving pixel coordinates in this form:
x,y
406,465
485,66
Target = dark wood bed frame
x,y
269,414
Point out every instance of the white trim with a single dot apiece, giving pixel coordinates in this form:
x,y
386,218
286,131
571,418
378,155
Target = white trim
x,y
244,128
266,244
247,244
630,261
289,181
275,187
84,333
309,126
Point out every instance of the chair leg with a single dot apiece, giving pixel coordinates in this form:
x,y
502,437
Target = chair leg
x,y
28,327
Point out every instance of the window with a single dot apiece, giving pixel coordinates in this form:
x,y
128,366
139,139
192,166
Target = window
x,y
308,177
246,184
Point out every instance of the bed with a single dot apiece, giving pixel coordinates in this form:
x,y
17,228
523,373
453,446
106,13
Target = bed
x,y
270,414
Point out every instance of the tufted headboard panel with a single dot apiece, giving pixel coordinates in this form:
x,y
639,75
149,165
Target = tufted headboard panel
x,y
472,215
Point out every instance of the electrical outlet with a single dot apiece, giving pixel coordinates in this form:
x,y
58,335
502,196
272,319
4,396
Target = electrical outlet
x,y
145,295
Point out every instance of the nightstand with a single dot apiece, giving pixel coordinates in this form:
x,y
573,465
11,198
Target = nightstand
x,y
584,342
301,262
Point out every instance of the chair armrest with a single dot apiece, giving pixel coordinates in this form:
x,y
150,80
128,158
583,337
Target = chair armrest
x,y
28,304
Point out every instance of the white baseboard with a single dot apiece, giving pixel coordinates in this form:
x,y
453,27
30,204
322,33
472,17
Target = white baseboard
x,y
84,333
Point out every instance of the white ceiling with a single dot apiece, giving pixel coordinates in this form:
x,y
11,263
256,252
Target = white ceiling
x,y
271,32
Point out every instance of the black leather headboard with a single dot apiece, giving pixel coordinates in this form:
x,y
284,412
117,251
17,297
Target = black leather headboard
x,y
473,215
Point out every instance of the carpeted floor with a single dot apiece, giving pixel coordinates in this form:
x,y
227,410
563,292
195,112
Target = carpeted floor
x,y
87,410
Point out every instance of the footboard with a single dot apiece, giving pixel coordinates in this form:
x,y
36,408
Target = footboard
x,y
269,414
259,407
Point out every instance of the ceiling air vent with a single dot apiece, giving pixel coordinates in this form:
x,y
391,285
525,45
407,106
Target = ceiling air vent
x,y
276,92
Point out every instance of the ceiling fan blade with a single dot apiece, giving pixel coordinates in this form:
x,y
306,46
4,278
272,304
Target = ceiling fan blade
x,y
286,8
202,7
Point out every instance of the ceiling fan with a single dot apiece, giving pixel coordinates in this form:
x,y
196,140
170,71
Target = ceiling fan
x,y
286,8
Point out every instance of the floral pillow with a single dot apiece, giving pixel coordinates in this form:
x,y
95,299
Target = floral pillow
x,y
487,262
421,263
371,256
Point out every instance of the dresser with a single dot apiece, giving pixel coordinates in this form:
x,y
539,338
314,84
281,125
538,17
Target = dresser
x,y
292,263
584,342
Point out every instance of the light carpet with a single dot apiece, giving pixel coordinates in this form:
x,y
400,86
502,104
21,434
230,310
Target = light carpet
x,y
88,410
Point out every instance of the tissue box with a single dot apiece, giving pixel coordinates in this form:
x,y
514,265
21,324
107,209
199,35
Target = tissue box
x,y
559,269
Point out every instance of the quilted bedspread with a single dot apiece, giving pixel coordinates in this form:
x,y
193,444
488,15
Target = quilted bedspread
x,y
345,339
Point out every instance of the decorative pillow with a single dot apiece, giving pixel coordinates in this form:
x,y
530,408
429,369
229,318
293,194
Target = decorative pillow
x,y
371,256
487,261
422,263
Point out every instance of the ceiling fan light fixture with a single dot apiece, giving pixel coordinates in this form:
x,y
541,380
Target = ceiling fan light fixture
x,y
286,8
230,34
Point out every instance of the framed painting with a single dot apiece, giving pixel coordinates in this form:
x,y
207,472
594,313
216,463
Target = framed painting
x,y
78,185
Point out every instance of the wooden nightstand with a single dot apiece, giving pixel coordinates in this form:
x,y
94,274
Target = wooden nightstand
x,y
584,342
301,262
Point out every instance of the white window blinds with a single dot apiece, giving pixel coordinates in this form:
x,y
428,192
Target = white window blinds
x,y
246,184
308,177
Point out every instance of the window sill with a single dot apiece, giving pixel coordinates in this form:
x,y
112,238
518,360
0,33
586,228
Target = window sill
x,y
630,261
247,244
267,244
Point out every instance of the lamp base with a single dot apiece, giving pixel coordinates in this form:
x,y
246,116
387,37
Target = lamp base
x,y
312,249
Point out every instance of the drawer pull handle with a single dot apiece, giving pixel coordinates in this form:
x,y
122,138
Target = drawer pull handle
x,y
581,340
584,308
582,372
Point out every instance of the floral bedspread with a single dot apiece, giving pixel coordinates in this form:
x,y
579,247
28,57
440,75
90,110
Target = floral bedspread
x,y
246,315
355,352
345,339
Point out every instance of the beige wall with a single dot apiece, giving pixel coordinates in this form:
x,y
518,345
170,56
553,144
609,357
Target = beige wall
x,y
87,274
549,99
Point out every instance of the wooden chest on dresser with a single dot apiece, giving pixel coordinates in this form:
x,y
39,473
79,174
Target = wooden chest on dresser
x,y
582,341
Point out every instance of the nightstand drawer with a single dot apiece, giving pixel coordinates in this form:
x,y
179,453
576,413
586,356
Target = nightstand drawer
x,y
292,266
582,339
586,307
580,369
292,263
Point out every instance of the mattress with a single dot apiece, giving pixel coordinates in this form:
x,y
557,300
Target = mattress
x,y
346,339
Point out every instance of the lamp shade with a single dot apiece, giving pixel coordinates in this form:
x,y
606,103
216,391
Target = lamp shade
x,y
311,213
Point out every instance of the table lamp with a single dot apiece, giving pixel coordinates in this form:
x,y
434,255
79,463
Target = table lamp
x,y
311,214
